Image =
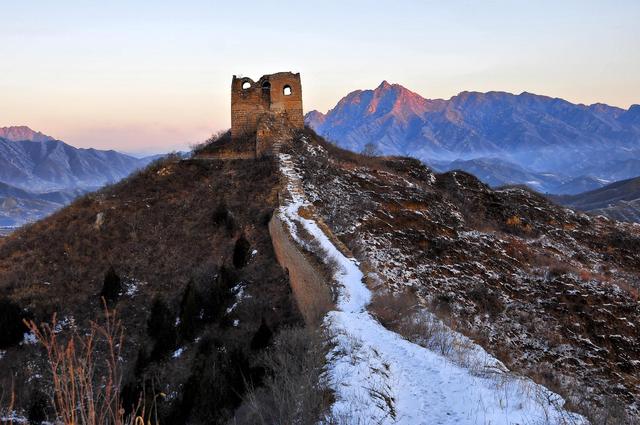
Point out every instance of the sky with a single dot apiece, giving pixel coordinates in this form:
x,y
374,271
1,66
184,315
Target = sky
x,y
154,76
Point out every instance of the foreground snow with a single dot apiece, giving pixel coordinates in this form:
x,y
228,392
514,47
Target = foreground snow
x,y
381,378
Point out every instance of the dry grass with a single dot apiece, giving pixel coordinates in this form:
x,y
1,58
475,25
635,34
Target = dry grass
x,y
159,229
86,373
294,391
400,313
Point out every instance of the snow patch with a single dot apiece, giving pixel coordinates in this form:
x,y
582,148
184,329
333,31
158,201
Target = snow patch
x,y
240,294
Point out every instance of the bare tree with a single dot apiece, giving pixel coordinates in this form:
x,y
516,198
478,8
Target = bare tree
x,y
371,149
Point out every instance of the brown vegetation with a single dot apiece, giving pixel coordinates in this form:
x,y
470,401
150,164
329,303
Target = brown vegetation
x,y
86,373
294,391
194,278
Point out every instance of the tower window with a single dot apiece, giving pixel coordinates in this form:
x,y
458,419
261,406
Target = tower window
x,y
287,90
246,85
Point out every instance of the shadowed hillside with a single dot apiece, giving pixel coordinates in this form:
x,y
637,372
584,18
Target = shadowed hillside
x,y
182,251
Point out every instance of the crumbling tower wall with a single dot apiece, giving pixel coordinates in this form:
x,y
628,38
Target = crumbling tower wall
x,y
278,95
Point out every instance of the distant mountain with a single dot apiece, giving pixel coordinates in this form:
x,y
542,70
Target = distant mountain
x,y
23,133
539,134
578,185
498,172
41,163
619,200
39,175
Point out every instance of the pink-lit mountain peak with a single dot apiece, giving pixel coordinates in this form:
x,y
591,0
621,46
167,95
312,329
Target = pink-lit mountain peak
x,y
396,100
385,101
23,133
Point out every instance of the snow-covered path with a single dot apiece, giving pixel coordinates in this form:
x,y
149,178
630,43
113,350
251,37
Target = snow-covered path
x,y
381,378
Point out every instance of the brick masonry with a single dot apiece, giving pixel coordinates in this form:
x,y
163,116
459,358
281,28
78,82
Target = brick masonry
x,y
277,94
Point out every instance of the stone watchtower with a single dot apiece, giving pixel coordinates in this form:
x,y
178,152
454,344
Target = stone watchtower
x,y
273,97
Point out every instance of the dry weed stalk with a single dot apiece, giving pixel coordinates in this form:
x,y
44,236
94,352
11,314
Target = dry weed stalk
x,y
7,413
86,385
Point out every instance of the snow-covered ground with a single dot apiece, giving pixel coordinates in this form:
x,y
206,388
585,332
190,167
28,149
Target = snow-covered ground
x,y
381,378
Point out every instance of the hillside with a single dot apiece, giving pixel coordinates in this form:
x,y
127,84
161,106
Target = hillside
x,y
189,242
440,299
538,134
618,201
551,293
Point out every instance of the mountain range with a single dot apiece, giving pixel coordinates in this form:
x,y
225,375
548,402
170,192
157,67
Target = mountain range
x,y
39,174
35,162
550,144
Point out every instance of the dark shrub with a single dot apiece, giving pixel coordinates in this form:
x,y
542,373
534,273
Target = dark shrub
x,y
112,286
262,337
12,328
189,314
265,216
487,301
241,252
215,387
37,412
161,328
216,295
222,217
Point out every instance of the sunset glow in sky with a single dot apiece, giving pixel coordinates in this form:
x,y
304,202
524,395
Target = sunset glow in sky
x,y
151,76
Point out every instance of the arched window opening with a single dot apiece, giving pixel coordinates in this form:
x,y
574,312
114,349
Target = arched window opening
x,y
266,85
287,90
246,85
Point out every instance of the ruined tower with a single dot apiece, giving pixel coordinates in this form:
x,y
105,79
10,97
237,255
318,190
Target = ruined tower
x,y
276,96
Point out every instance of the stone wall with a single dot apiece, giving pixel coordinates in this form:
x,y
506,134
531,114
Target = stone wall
x,y
279,94
310,288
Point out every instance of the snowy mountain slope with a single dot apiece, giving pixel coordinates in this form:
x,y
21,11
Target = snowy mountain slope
x,y
551,293
380,377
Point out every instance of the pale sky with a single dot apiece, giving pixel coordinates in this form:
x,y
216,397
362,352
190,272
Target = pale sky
x,y
151,76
